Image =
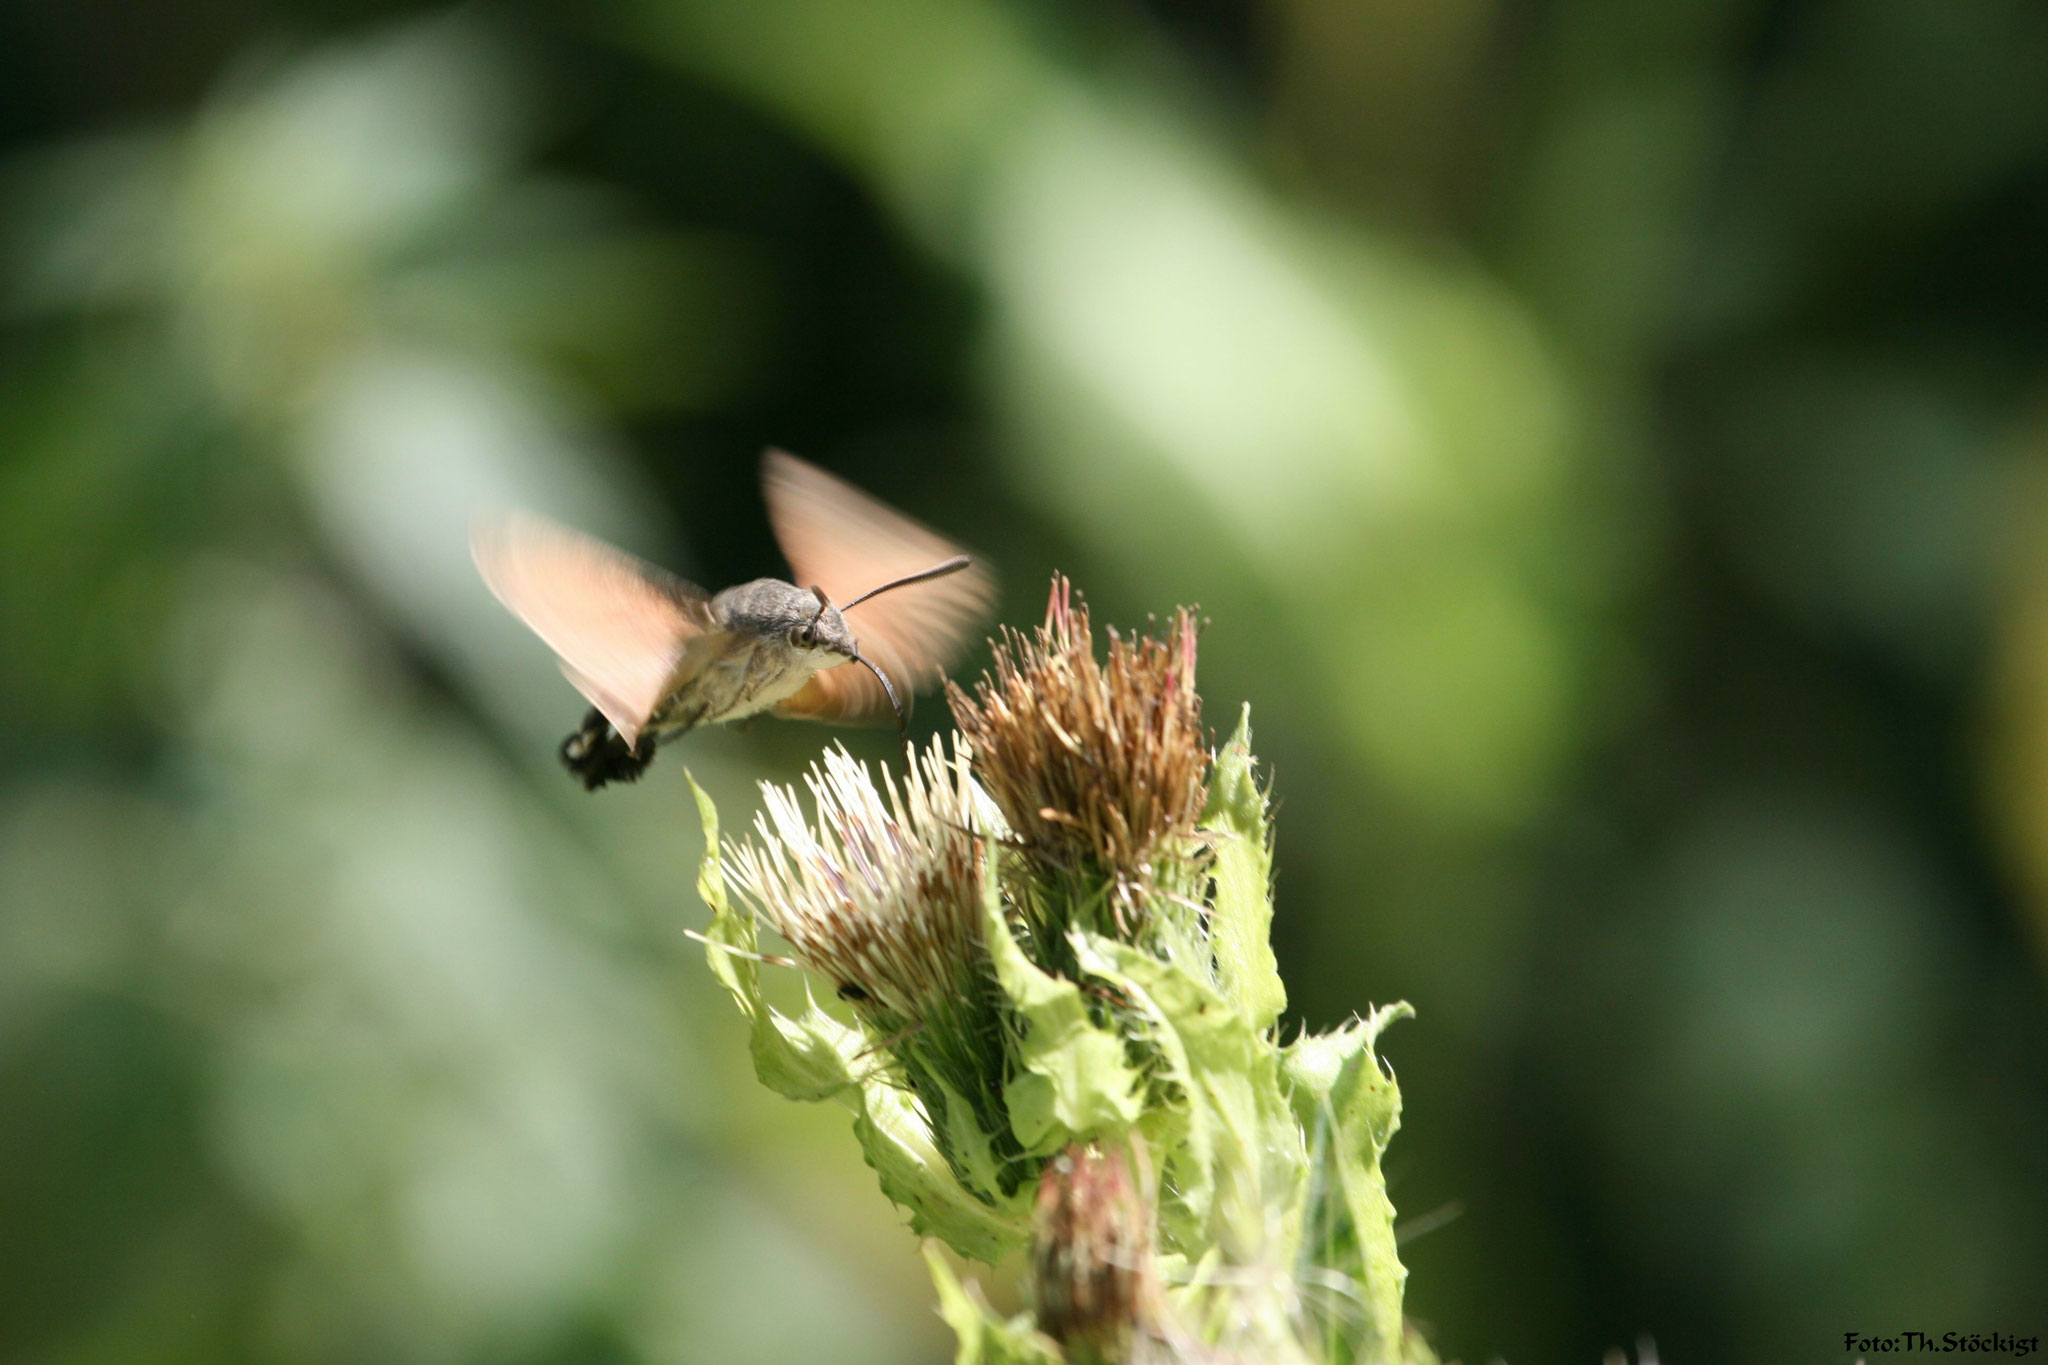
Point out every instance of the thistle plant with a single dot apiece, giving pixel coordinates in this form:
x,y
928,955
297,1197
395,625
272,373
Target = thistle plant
x,y
1052,1008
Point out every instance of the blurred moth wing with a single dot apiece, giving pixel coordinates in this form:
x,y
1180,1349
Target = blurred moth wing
x,y
840,539
625,632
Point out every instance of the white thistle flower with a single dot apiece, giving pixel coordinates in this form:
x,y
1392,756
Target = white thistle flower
x,y
884,895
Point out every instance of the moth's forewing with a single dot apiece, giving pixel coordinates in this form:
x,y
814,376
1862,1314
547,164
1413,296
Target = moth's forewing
x,y
621,628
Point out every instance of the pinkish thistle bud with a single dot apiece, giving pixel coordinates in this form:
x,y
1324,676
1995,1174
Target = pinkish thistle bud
x,y
1097,1291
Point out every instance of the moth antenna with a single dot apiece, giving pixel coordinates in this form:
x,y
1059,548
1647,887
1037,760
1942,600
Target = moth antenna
x,y
953,565
902,726
824,604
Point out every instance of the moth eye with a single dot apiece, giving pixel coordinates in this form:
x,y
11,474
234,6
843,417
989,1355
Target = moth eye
x,y
803,637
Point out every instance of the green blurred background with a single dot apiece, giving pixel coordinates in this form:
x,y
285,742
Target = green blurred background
x,y
1610,443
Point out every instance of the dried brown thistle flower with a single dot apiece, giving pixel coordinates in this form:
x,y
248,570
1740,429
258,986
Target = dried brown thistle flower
x,y
884,898
1096,1283
1097,766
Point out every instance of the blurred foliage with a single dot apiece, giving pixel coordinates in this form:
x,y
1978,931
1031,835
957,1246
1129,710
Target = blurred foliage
x,y
1608,441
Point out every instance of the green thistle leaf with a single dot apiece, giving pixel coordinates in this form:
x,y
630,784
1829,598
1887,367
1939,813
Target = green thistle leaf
x,y
985,1339
1351,1107
914,1174
1241,920
974,1151
1076,1081
1240,1157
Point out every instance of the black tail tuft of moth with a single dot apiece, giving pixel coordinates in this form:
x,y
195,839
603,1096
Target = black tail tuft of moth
x,y
597,754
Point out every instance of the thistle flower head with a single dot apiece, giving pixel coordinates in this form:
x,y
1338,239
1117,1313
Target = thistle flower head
x,y
883,895
1096,766
1050,955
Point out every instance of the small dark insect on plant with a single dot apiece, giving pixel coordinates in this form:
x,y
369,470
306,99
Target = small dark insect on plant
x,y
657,656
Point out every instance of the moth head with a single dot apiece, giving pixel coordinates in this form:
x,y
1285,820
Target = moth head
x,y
823,629
826,627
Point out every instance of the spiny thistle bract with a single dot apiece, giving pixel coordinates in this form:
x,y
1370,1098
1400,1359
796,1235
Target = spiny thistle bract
x,y
1053,946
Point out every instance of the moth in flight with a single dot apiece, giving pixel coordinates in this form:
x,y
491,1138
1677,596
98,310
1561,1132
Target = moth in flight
x,y
657,656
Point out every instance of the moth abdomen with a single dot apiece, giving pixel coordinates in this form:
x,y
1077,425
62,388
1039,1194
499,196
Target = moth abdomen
x,y
598,754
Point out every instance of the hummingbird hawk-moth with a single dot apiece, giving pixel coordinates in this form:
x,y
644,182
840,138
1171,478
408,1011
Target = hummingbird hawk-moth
x,y
656,656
